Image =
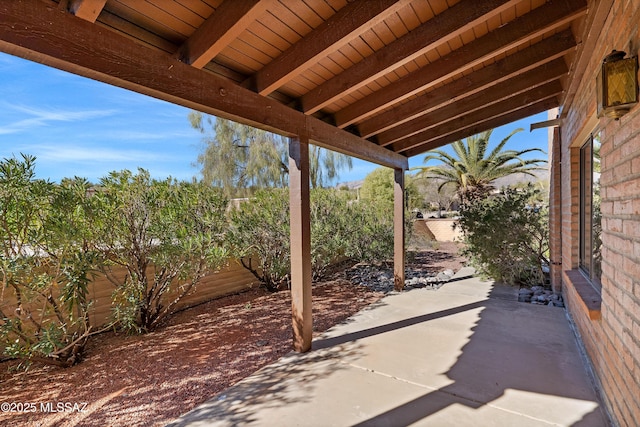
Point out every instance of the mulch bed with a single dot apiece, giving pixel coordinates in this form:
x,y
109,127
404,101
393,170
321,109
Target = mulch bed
x,y
152,379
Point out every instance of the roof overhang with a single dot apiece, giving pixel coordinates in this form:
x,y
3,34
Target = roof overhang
x,y
380,80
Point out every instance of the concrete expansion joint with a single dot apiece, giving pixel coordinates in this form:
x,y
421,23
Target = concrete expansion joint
x,y
472,402
393,377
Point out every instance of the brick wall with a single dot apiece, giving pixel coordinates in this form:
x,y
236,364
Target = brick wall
x,y
611,338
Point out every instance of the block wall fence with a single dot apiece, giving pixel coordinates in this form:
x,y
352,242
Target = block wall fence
x,y
607,322
231,279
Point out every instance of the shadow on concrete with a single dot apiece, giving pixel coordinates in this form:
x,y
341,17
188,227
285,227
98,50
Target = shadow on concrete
x,y
287,382
505,362
389,327
508,364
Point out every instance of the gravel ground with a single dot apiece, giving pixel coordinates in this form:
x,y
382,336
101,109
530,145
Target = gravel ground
x,y
152,379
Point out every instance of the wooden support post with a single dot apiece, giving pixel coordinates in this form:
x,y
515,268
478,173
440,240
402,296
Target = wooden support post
x,y
300,212
398,229
555,211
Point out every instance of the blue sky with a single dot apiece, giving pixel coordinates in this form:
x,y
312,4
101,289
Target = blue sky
x,y
80,127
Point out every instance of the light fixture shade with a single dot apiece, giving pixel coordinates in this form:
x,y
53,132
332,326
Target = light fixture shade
x,y
617,85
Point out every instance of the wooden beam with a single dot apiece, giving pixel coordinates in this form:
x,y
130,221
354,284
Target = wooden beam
x,y
508,89
590,37
519,63
336,31
300,220
549,90
398,230
86,9
534,24
438,30
343,142
555,210
475,128
39,32
224,25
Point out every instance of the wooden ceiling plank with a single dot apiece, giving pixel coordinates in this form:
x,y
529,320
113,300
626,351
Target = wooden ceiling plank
x,y
426,37
348,23
321,8
284,14
162,15
217,31
33,30
87,9
529,26
549,90
476,128
148,23
409,18
135,32
510,88
591,35
516,64
201,8
305,13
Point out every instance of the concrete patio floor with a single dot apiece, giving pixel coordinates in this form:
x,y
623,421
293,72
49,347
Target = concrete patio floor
x,y
467,354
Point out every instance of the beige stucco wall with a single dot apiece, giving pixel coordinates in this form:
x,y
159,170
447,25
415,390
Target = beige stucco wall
x,y
443,229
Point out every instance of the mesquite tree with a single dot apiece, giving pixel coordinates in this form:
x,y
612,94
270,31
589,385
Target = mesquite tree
x,y
242,159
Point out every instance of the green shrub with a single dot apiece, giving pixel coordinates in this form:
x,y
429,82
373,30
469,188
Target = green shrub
x,y
506,236
341,228
370,231
259,236
46,260
166,234
331,229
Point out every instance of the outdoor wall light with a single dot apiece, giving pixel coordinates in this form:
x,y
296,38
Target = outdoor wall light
x,y
617,85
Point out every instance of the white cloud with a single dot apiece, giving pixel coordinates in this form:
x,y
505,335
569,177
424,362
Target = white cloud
x,y
39,117
61,115
132,135
74,153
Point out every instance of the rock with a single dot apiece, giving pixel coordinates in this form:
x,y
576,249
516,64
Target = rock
x,y
443,277
380,277
525,291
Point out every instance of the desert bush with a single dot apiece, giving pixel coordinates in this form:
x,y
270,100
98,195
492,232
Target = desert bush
x,y
331,229
341,228
370,231
46,261
259,237
506,236
166,234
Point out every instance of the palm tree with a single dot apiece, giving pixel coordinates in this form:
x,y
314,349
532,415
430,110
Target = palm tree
x,y
472,170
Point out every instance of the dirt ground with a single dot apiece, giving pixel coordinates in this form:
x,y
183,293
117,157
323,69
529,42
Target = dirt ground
x,y
152,379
